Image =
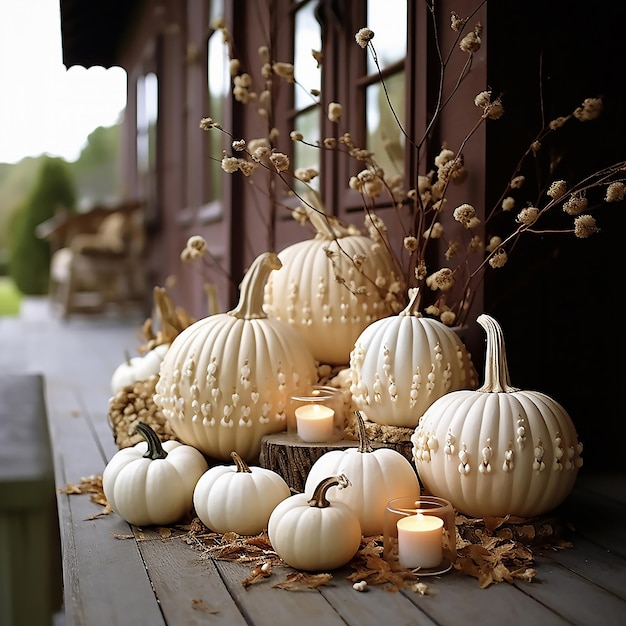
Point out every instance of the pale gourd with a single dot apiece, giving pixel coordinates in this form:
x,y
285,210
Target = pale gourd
x,y
376,476
324,295
138,368
312,533
238,498
227,379
497,450
152,483
401,364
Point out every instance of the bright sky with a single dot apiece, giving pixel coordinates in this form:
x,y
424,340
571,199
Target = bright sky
x,y
45,108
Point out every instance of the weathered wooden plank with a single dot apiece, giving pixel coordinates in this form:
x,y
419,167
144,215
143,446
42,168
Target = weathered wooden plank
x,y
188,585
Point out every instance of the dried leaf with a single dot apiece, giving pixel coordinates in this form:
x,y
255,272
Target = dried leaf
x,y
200,605
302,581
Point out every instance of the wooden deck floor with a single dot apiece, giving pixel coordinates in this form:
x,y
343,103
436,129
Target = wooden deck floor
x,y
149,580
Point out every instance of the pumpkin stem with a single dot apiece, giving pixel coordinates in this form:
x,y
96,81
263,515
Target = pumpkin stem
x,y
320,220
251,289
496,368
364,442
412,308
242,466
319,499
127,357
155,449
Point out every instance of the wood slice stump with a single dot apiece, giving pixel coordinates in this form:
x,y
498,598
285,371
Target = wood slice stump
x,y
290,457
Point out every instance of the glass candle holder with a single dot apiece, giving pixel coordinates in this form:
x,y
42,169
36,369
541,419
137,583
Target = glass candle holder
x,y
318,395
420,534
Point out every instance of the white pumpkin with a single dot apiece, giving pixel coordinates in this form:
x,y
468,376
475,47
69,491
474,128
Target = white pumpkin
x,y
376,476
238,498
401,364
330,313
497,450
314,533
227,379
152,483
138,368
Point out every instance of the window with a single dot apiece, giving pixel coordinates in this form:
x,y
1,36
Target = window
x,y
147,119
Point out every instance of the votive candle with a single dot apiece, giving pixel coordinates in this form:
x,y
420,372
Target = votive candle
x,y
420,541
315,423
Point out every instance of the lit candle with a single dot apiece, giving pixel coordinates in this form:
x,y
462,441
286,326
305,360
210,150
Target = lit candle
x,y
315,422
420,541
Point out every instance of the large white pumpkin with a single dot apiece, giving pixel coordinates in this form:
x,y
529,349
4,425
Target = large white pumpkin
x,y
401,364
497,450
227,379
322,293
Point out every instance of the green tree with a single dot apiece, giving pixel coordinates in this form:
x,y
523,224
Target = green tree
x,y
29,256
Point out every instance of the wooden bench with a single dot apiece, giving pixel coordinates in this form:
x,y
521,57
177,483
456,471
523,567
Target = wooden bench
x,y
30,564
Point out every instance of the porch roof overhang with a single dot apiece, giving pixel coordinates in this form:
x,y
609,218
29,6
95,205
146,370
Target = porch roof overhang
x,y
92,33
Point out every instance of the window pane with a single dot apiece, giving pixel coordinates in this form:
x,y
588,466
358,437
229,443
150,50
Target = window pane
x,y
390,42
307,156
307,38
384,137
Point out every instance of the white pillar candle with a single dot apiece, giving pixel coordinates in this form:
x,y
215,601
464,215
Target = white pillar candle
x,y
315,422
420,541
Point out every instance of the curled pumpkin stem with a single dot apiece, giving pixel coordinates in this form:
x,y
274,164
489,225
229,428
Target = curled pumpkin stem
x,y
242,466
155,449
319,499
364,442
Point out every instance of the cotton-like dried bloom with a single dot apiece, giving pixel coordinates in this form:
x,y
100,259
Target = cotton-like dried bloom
x,y
470,43
364,36
197,242
230,164
517,182
442,279
434,232
445,156
432,310
590,109
457,23
499,258
239,145
535,146
266,71
615,191
355,183
557,123
206,123
465,214
575,204
294,135
585,226
234,66
264,54
475,245
494,243
557,189
508,204
373,187
495,110
452,250
284,71
280,161
458,173
448,318
420,270
306,174
359,259
528,216
380,281
483,99
334,111
330,142
410,244
247,167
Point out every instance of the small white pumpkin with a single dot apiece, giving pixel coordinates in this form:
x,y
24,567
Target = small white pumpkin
x,y
238,498
376,476
138,368
323,295
312,533
227,379
497,450
152,483
401,364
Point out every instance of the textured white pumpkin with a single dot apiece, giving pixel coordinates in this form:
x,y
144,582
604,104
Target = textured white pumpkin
x,y
376,476
227,379
330,314
152,483
314,533
238,498
497,450
401,364
138,368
